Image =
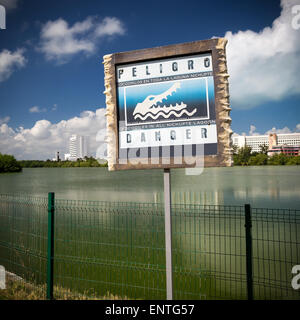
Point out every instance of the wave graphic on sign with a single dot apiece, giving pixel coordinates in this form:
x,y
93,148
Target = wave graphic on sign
x,y
149,108
172,112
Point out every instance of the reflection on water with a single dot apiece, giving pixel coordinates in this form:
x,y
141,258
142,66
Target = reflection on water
x,y
271,186
186,197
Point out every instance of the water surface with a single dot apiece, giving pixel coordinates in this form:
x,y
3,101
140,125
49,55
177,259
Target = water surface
x,y
268,186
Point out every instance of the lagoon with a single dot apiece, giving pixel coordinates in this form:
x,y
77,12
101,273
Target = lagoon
x,y
266,186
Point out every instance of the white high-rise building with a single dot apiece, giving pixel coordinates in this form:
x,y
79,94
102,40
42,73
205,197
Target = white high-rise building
x,y
78,147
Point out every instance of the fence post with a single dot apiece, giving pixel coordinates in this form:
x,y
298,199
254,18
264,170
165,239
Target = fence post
x,y
50,257
168,234
248,226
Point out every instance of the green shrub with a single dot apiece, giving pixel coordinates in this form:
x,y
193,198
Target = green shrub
x,y
243,156
258,160
294,161
8,163
278,159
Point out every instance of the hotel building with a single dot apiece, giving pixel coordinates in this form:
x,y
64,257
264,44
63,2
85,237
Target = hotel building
x,y
271,140
78,147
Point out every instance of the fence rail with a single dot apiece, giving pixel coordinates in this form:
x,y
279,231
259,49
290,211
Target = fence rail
x,y
116,250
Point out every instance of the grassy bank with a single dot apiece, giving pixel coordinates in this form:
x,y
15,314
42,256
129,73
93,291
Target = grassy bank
x,y
18,289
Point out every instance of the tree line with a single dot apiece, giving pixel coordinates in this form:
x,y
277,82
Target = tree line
x,y
86,162
245,157
241,157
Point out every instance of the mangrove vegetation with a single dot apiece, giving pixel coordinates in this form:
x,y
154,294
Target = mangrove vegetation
x,y
86,162
8,163
245,157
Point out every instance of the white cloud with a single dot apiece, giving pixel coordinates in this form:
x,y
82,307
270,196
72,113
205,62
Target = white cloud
x,y
264,66
110,26
252,131
41,129
9,4
44,139
4,120
59,41
36,109
9,61
283,130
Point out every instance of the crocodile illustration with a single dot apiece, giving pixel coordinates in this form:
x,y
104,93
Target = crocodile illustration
x,y
149,108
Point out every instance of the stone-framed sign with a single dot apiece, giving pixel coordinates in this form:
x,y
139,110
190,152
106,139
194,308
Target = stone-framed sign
x,y
168,106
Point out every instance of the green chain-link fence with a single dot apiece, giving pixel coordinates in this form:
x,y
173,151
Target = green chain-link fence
x,y
115,250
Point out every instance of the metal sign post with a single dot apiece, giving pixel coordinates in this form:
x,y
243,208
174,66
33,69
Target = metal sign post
x,y
168,234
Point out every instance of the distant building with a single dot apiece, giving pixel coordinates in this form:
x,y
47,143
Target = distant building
x,y
78,147
287,150
273,139
57,158
67,156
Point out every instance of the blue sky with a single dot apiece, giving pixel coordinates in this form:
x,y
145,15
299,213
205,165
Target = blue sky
x,y
51,72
